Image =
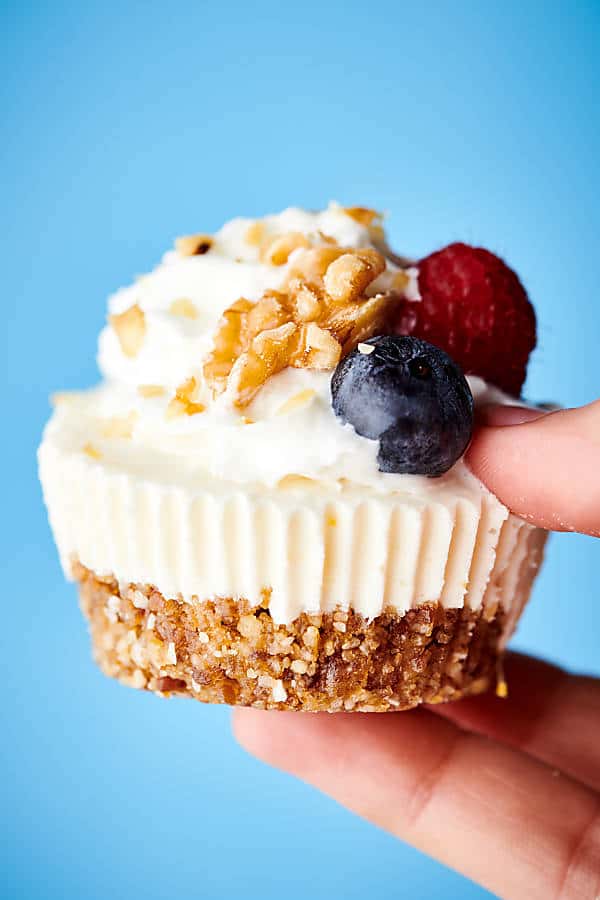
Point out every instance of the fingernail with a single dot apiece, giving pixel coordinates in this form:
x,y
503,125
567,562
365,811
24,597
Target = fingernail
x,y
499,416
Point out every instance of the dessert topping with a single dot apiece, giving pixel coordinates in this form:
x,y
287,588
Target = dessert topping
x,y
474,307
183,307
193,244
412,398
277,251
182,403
151,390
130,328
363,215
321,314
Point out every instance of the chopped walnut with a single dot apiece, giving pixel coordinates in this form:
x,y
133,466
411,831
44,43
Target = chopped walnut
x,y
193,244
130,328
357,322
313,263
183,307
91,451
182,404
269,353
297,401
62,398
277,251
320,314
362,215
349,275
151,390
119,426
316,348
400,281
230,341
255,233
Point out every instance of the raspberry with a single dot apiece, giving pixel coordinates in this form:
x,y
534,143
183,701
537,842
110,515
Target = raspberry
x,y
475,308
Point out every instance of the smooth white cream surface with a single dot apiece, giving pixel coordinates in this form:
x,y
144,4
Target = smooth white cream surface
x,y
229,503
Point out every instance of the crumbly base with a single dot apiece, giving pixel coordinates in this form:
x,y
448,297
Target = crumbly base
x,y
225,651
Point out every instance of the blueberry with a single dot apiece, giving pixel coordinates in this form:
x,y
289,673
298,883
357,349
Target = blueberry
x,y
411,397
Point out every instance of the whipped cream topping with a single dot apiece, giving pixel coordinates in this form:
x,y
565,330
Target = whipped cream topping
x,y
113,459
289,429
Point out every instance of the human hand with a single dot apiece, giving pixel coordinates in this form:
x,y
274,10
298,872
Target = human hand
x,y
505,791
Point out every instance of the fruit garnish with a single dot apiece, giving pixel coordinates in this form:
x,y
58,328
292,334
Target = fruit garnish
x,y
474,307
411,397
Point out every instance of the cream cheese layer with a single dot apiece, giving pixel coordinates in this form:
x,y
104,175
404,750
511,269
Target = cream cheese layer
x,y
200,498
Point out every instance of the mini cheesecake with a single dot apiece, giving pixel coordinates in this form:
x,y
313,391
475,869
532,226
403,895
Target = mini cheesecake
x,y
234,538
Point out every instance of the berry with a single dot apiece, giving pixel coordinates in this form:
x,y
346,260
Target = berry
x,y
474,307
411,397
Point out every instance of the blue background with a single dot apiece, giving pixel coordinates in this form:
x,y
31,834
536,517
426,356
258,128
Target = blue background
x,y
126,124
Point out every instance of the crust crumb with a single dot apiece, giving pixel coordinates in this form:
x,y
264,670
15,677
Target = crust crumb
x,y
228,651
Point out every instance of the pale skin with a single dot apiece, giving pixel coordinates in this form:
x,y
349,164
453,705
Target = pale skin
x,y
505,791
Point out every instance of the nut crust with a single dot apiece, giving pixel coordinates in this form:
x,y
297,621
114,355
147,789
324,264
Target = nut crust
x,y
225,651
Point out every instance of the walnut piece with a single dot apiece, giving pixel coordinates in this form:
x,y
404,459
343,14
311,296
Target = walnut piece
x,y
320,314
130,328
119,426
363,215
193,244
182,403
151,390
277,251
91,451
183,307
348,276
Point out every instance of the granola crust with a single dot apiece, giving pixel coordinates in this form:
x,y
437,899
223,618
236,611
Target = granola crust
x,y
225,651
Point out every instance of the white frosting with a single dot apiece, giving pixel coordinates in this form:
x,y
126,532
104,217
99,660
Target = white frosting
x,y
196,504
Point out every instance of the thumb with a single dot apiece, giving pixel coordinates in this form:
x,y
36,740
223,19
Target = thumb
x,y
545,467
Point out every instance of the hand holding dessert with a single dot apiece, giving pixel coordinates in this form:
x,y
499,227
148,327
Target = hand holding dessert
x,y
506,791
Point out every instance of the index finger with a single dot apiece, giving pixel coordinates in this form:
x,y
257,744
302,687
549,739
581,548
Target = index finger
x,y
544,468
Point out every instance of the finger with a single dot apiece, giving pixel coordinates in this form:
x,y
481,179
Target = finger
x,y
548,713
498,816
543,467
